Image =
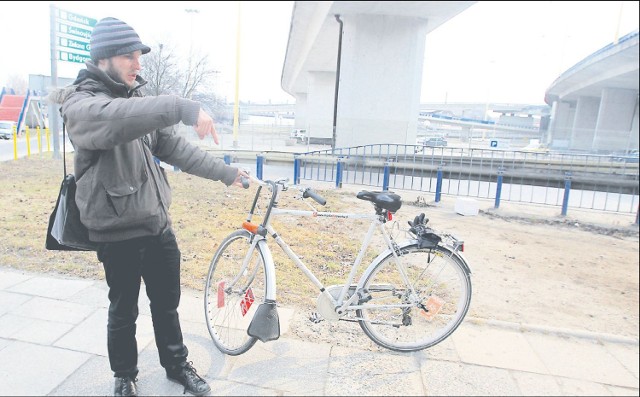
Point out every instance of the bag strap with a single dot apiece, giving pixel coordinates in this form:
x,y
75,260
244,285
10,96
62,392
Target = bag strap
x,y
64,151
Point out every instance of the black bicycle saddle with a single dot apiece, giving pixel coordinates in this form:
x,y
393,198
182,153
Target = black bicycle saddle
x,y
385,200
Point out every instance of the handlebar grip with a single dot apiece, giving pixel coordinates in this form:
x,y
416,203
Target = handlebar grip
x,y
318,198
245,182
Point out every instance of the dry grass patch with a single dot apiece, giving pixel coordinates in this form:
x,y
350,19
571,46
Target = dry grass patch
x,y
204,212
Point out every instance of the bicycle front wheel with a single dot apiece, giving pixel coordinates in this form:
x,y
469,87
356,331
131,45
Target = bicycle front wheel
x,y
234,289
420,310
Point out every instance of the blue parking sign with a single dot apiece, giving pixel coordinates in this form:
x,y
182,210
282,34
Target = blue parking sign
x,y
494,143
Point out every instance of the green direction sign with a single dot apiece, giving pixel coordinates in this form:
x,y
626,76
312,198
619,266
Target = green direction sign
x,y
71,57
75,18
74,45
74,31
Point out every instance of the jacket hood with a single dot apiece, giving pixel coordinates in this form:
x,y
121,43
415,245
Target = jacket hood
x,y
92,79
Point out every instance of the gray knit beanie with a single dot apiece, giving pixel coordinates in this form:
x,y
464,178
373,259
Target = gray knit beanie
x,y
113,37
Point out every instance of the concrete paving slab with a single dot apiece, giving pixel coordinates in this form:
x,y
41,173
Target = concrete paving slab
x,y
445,350
9,301
443,378
495,347
37,375
370,373
47,287
580,359
622,391
90,335
53,310
9,278
226,388
33,330
93,378
579,387
95,295
627,354
305,364
535,384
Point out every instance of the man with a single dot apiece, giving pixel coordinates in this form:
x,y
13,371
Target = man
x,y
124,197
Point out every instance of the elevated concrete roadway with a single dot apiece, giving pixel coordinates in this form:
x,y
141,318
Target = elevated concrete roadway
x,y
595,102
355,67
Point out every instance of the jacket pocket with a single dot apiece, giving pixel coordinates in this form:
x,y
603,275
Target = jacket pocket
x,y
127,196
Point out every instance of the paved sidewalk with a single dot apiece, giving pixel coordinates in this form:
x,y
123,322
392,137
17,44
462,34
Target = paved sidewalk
x,y
53,342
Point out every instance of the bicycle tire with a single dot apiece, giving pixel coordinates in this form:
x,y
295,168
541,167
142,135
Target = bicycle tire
x,y
441,281
229,306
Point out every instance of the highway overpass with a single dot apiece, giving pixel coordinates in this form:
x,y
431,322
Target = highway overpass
x,y
595,102
355,67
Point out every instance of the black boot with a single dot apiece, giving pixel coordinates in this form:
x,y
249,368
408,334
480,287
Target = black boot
x,y
187,376
125,387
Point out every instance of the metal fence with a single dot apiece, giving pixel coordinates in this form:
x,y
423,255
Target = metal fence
x,y
608,183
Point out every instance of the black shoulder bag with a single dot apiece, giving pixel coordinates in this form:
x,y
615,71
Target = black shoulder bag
x,y
66,232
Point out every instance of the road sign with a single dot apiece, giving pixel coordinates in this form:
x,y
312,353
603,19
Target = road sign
x,y
74,31
71,57
494,143
75,18
76,45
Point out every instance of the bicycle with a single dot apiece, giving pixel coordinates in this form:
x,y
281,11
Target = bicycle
x,y
413,295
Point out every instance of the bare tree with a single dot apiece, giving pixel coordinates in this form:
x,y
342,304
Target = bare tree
x,y
18,83
197,75
165,74
161,71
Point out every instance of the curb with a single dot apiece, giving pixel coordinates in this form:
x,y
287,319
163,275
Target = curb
x,y
543,329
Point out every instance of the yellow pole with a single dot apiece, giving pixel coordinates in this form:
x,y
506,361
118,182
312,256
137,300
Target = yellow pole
x,y
46,133
28,143
236,104
15,142
39,139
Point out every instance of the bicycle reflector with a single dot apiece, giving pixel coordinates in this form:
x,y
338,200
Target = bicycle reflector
x,y
389,216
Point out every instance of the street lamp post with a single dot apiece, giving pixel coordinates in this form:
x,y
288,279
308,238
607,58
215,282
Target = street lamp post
x,y
190,11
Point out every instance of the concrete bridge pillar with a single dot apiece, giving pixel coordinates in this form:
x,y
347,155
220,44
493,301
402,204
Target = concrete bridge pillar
x,y
562,118
380,79
320,99
584,124
614,129
300,121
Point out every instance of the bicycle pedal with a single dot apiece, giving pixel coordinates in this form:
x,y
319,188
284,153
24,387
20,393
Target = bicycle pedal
x,y
315,318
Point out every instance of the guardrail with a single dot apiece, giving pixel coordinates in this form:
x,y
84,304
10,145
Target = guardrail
x,y
608,183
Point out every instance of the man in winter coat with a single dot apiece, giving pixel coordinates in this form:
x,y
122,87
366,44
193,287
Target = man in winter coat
x,y
124,197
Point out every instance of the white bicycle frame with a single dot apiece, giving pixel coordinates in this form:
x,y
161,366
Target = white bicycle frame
x,y
341,305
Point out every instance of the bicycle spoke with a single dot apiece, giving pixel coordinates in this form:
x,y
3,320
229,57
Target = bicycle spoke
x,y
414,317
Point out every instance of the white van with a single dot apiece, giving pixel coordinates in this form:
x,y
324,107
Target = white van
x,y
6,129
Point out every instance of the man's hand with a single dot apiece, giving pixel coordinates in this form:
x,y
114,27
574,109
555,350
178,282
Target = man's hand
x,y
242,174
205,126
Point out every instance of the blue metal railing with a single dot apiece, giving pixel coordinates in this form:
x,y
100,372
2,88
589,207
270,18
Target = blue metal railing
x,y
599,182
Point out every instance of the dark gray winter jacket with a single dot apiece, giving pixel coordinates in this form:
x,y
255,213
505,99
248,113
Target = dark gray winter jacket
x,y
122,193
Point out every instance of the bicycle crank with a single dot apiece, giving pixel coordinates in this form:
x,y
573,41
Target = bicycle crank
x,y
325,305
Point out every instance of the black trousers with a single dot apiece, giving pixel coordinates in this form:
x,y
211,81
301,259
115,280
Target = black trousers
x,y
156,260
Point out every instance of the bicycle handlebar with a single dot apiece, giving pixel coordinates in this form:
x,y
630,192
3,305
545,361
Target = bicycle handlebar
x,y
245,182
306,192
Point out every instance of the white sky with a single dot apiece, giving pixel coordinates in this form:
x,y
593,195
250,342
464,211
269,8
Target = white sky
x,y
494,51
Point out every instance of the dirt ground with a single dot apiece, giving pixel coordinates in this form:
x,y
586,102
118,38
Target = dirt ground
x,y
530,265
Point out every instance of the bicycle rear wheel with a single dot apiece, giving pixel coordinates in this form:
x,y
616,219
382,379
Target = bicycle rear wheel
x,y
413,317
234,289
